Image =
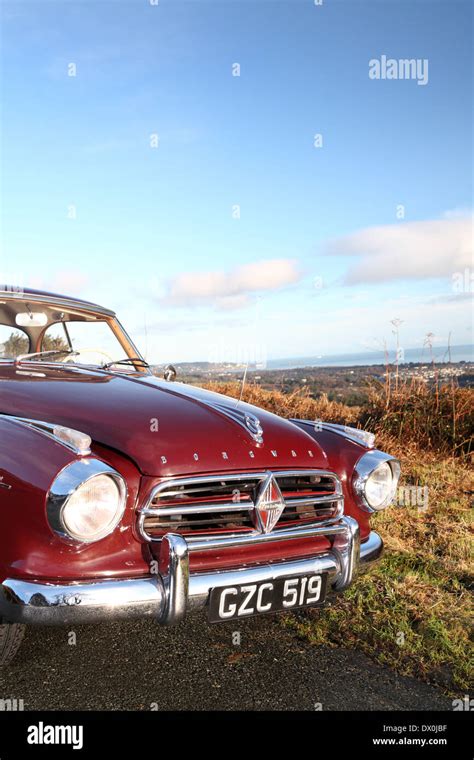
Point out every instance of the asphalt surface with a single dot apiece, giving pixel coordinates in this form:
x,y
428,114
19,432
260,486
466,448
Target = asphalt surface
x,y
196,666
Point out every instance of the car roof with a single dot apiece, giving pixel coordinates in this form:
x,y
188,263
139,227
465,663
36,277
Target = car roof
x,y
29,294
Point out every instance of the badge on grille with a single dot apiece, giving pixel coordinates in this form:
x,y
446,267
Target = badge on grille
x,y
269,505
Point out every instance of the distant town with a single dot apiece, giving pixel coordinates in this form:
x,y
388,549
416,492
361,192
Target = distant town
x,y
346,384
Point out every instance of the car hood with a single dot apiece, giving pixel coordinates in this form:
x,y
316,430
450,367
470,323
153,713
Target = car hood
x,y
165,428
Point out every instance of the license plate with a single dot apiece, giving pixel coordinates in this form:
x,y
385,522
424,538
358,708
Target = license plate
x,y
282,594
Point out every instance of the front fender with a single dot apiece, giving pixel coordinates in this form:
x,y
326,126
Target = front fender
x,y
29,548
342,455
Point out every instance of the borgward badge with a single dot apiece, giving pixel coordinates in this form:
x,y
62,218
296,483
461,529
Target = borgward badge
x,y
270,504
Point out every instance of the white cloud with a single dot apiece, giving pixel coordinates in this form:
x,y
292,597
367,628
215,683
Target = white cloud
x,y
454,213
68,282
408,250
321,330
232,289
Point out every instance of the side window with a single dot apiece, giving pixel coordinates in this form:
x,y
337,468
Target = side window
x,y
13,342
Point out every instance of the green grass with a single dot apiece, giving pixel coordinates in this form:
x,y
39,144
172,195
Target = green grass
x,y
414,611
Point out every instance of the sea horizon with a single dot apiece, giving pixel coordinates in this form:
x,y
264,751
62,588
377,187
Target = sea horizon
x,y
440,354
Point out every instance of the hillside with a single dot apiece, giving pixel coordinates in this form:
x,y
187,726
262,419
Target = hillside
x,y
414,611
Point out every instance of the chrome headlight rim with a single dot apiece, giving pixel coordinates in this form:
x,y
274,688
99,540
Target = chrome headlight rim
x,y
65,485
365,467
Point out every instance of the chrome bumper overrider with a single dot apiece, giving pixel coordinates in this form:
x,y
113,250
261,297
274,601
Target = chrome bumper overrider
x,y
173,592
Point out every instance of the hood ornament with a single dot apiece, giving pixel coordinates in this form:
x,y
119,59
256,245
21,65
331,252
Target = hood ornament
x,y
250,422
233,411
269,505
254,427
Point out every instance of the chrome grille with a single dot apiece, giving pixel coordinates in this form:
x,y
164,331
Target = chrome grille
x,y
213,507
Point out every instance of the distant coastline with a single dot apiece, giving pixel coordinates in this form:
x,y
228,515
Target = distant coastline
x,y
368,358
439,354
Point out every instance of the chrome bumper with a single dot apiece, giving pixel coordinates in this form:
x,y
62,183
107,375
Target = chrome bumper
x,y
173,592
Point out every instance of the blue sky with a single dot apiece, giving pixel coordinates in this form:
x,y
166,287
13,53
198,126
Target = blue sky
x,y
318,257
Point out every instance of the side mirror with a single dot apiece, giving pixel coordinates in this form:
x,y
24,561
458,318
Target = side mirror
x,y
170,373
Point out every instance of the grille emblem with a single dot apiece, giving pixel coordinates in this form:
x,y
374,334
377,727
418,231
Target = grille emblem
x,y
269,505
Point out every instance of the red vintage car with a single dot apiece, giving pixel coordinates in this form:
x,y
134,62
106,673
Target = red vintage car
x,y
124,495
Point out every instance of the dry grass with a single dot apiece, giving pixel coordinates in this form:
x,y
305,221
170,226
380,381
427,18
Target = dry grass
x,y
414,611
439,418
414,416
297,404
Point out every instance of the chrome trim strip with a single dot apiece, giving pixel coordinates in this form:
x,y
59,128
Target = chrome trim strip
x,y
362,437
311,500
321,529
134,348
230,506
167,596
250,475
197,509
47,428
67,303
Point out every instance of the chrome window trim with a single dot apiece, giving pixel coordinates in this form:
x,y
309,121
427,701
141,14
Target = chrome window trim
x,y
138,354
81,307
65,484
70,303
362,471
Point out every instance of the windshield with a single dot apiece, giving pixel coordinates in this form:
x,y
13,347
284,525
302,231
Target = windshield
x,y
48,335
85,343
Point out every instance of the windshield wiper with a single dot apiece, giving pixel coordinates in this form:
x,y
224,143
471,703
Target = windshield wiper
x,y
129,360
54,352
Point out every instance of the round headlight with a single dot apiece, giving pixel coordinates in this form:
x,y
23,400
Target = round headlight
x,y
376,479
91,511
379,485
86,501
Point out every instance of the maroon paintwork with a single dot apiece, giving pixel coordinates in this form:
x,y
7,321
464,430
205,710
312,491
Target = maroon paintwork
x,y
117,411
